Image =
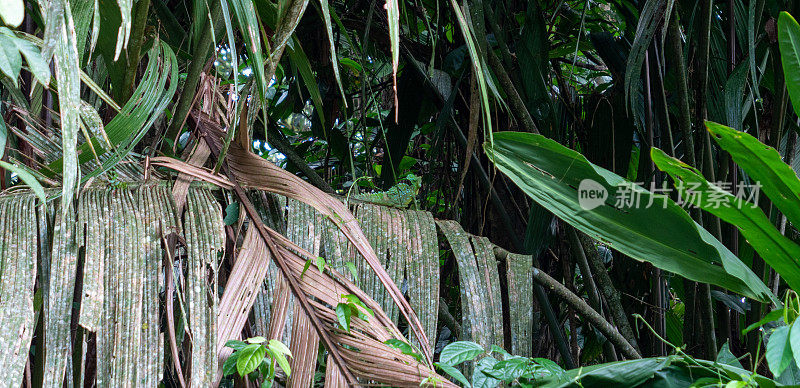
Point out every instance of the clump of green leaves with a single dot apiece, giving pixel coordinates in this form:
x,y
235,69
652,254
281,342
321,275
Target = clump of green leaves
x,y
783,347
256,358
351,306
495,366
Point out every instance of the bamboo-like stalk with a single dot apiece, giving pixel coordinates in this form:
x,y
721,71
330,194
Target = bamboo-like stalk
x,y
685,126
520,110
701,113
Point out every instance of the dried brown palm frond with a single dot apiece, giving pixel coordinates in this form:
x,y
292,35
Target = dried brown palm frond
x,y
252,171
319,293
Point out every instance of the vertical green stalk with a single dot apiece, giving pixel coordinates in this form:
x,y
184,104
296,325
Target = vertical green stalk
x,y
685,126
684,114
133,54
703,55
201,53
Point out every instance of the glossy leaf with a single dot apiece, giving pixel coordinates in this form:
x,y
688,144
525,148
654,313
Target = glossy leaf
x,y
280,357
551,174
628,373
772,316
235,344
256,340
789,43
459,351
343,313
455,373
229,366
779,350
279,347
480,377
776,249
764,165
250,358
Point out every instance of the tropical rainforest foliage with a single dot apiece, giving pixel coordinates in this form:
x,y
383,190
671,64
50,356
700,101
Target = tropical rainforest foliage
x,y
399,193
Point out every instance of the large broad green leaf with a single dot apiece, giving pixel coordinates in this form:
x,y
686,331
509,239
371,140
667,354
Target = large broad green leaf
x,y
776,249
764,165
670,371
789,43
458,352
628,373
779,350
662,234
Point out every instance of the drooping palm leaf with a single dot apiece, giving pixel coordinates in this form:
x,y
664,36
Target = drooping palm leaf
x,y
18,273
332,296
479,281
764,165
274,179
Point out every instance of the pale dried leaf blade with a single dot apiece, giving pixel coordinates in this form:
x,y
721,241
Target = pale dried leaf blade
x,y
18,253
58,310
479,297
204,240
519,272
256,172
